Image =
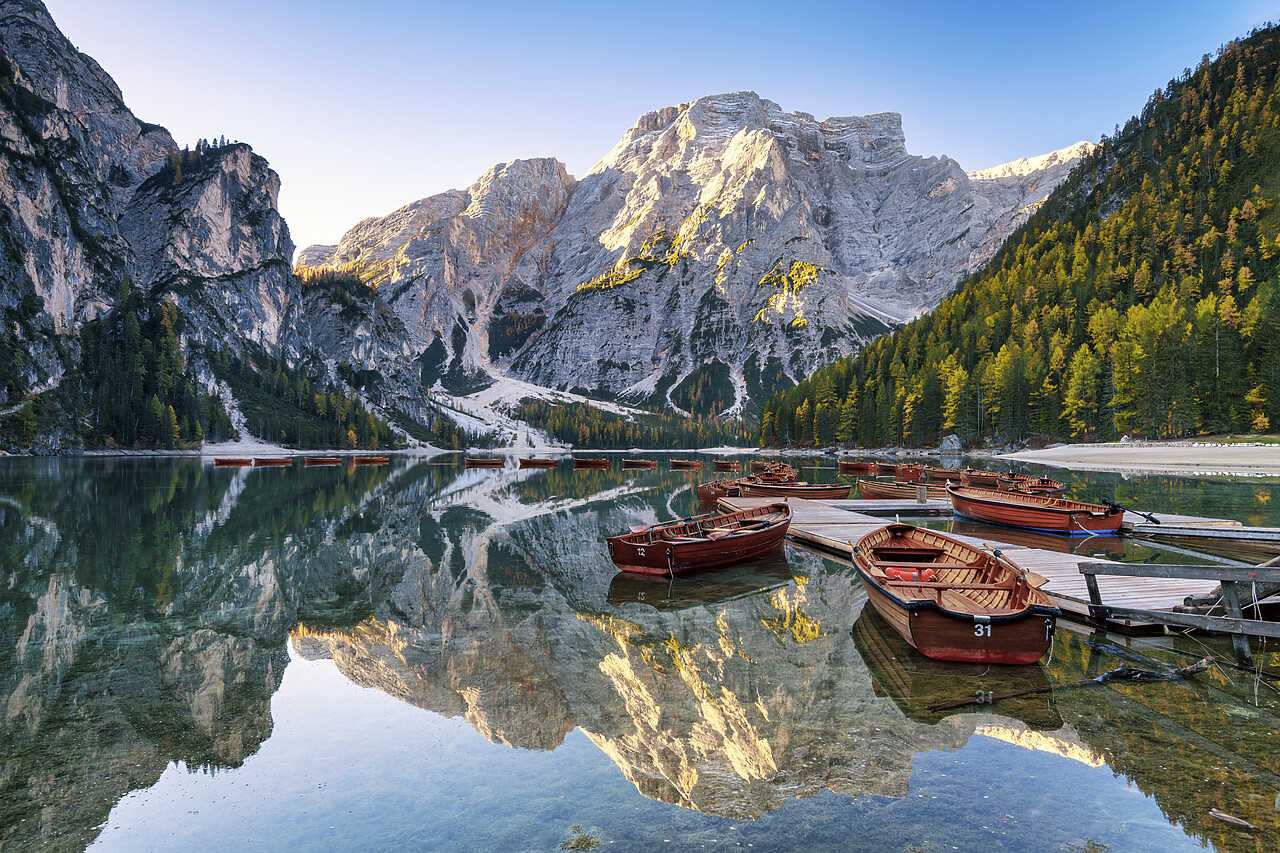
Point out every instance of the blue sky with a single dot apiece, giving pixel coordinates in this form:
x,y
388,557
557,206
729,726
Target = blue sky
x,y
364,107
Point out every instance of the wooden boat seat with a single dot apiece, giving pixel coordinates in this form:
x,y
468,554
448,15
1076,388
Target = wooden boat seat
x,y
946,585
912,564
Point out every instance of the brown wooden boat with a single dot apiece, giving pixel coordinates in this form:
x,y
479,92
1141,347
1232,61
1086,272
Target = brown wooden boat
x,y
878,490
886,469
539,463
983,479
933,474
313,461
714,490
683,546
271,461
230,462
372,460
952,601
725,465
1035,485
760,464
483,462
686,464
590,463
1034,511
639,463
779,472
753,487
867,469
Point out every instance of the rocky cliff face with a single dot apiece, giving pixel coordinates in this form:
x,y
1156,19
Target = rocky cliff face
x,y
722,244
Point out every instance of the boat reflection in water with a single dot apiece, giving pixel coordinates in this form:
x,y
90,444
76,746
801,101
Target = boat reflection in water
x,y
1103,547
915,682
701,589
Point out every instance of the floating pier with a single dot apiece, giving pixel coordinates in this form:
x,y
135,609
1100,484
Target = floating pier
x,y
832,525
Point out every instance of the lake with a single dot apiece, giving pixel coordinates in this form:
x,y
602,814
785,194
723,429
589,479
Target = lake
x,y
421,657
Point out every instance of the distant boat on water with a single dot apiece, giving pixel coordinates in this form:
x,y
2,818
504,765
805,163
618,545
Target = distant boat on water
x,y
701,543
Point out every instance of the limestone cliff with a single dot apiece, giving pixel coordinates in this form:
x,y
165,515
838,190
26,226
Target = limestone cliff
x,y
722,242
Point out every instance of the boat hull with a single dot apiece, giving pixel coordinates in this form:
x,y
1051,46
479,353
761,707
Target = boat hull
x,y
645,554
793,490
949,637
313,461
1034,512
864,468
969,606
875,491
639,463
539,463
485,463
590,463
686,465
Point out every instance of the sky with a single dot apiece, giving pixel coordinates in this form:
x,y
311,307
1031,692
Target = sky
x,y
364,107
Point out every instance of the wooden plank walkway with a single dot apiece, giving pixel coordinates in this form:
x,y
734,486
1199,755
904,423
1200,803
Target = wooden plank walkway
x,y
831,525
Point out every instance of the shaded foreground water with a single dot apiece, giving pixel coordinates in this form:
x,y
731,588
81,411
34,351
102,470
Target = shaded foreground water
x,y
419,657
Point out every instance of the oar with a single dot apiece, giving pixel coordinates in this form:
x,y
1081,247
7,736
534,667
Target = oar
x,y
1033,579
641,528
1114,505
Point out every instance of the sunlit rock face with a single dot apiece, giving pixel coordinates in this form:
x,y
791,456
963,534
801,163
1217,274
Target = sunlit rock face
x,y
722,242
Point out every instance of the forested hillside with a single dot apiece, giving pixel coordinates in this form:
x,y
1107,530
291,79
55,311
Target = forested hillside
x,y
1142,298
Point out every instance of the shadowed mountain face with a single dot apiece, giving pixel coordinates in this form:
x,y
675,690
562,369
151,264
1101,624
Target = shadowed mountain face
x,y
148,604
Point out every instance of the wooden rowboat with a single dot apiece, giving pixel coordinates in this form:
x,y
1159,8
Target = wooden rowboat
x,y
639,463
312,461
372,460
755,488
984,479
590,463
865,468
876,490
952,601
271,461
933,474
714,490
725,465
230,462
483,462
717,540
1034,512
686,464
1036,485
539,463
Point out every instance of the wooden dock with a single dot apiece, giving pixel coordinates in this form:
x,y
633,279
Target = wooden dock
x,y
832,525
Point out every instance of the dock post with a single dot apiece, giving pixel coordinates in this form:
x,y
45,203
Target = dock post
x,y
922,493
1231,600
1096,611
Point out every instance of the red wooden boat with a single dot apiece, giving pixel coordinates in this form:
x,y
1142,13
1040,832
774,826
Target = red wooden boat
x,y
761,464
230,462
886,469
778,472
372,460
483,462
686,464
639,463
1035,485
983,479
590,463
539,463
312,461
724,465
865,468
1034,512
271,461
933,474
877,490
684,546
753,487
952,601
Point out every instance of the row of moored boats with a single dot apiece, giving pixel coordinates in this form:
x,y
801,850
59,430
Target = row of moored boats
x,y
287,461
950,600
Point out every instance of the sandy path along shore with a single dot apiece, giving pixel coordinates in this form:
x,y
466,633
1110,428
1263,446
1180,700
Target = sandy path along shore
x,y
1184,457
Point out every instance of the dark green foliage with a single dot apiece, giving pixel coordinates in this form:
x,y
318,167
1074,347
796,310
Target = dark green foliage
x,y
288,407
1141,297
134,384
708,390
344,288
584,425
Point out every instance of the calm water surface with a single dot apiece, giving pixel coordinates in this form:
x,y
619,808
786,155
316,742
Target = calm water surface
x,y
419,657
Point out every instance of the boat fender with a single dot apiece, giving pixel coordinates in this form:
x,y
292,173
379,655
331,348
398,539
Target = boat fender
x,y
900,574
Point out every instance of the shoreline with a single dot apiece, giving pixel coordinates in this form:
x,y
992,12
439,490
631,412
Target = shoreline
x,y
1177,457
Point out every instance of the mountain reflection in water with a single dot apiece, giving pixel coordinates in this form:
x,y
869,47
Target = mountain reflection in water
x,y
148,603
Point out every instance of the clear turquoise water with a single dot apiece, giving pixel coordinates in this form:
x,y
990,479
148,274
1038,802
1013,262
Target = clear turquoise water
x,y
422,658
